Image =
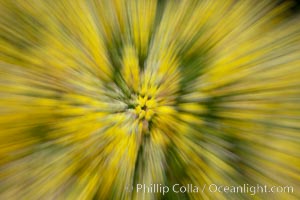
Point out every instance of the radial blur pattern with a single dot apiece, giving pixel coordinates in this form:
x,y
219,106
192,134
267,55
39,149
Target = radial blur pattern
x,y
97,96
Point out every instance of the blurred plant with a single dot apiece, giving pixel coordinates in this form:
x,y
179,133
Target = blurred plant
x,y
96,96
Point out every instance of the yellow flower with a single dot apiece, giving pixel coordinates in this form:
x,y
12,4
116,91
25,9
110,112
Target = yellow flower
x,y
98,97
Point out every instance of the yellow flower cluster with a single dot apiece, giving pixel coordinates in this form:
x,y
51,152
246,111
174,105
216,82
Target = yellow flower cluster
x,y
164,97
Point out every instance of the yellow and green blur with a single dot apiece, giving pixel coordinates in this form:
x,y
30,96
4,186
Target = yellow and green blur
x,y
97,96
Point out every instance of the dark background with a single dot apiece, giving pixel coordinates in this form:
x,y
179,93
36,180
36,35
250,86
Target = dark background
x,y
295,9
